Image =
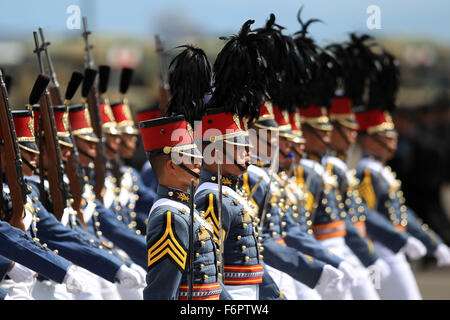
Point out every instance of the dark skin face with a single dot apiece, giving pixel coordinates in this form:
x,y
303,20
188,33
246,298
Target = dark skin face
x,y
32,158
127,145
313,143
338,142
241,156
176,177
374,147
259,139
87,146
299,150
114,142
66,152
285,146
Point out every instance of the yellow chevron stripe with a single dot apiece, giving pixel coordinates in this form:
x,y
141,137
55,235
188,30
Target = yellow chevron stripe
x,y
168,244
246,187
210,215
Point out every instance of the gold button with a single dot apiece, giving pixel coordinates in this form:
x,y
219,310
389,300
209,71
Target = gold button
x,y
219,275
36,239
213,178
239,237
205,277
201,266
343,214
170,193
202,243
261,257
244,225
99,233
56,251
274,234
197,254
243,248
119,218
246,258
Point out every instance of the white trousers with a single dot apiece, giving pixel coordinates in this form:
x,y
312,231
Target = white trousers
x,y
50,290
18,290
364,288
96,288
291,288
244,292
401,283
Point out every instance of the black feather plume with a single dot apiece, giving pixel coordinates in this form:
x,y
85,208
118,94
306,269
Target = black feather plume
x,y
240,74
89,77
190,81
39,87
384,82
125,80
103,78
74,83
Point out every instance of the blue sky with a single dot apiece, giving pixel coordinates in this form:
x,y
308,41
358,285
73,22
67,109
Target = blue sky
x,y
428,19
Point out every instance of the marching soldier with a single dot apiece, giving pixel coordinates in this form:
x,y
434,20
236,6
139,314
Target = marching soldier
x,y
284,205
182,254
382,192
44,227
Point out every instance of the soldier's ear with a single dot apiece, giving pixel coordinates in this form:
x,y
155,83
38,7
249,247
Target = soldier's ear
x,y
171,167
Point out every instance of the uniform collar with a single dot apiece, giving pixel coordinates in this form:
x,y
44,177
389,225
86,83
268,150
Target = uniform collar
x,y
233,182
173,194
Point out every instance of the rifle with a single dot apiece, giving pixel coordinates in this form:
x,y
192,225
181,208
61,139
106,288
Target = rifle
x,y
191,241
92,100
73,169
55,91
14,174
220,214
58,190
164,89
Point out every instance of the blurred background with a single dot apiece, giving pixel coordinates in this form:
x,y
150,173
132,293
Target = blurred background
x,y
415,31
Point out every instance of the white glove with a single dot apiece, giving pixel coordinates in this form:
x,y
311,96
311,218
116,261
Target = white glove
x,y
350,275
20,273
414,249
73,281
141,272
381,268
330,280
442,254
128,278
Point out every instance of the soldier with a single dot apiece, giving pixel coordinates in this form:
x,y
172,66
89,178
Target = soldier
x,y
182,255
140,197
44,227
100,220
285,209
